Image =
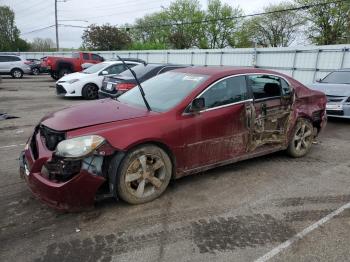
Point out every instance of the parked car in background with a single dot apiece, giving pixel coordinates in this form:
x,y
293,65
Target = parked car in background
x,y
60,66
35,65
87,82
197,118
336,86
14,65
114,86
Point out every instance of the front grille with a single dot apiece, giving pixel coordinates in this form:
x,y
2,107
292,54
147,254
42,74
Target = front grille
x,y
335,112
317,115
60,90
51,137
335,99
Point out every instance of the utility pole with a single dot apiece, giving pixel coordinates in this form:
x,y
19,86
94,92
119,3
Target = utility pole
x,y
56,26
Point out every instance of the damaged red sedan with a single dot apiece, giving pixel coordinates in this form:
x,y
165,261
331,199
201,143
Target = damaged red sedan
x,y
189,120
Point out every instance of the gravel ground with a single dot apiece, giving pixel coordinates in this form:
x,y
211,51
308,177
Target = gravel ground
x,y
234,213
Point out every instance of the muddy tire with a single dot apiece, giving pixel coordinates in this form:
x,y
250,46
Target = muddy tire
x,y
143,174
17,73
90,91
301,139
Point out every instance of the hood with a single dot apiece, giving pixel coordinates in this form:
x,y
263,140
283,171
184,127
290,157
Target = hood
x,y
92,113
76,75
332,89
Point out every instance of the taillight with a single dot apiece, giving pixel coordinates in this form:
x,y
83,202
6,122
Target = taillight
x,y
124,86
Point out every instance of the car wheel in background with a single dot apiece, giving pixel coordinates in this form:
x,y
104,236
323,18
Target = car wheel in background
x,y
90,91
301,140
143,174
35,71
17,73
64,71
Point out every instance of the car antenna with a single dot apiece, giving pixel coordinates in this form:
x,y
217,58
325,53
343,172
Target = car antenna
x,y
138,83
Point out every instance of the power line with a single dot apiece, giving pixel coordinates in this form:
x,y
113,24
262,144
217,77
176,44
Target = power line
x,y
37,30
304,7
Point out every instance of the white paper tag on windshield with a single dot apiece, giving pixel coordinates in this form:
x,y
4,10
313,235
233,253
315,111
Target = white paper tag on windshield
x,y
192,78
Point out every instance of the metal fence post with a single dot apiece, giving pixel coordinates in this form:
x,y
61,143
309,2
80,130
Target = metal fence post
x,y
316,65
294,62
192,58
343,57
221,57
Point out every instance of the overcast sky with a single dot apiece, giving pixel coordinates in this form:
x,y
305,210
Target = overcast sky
x,y
36,14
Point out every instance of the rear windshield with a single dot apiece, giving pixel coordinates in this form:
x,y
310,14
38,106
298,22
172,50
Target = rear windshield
x,y
140,71
164,91
340,77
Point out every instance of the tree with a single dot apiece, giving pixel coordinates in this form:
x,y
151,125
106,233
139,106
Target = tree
x,y
221,33
9,33
275,29
186,30
42,44
327,24
105,37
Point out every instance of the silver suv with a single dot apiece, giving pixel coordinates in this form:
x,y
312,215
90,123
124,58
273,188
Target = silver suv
x,y
14,65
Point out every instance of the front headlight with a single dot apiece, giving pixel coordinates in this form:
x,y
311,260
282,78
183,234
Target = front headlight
x,y
72,81
79,146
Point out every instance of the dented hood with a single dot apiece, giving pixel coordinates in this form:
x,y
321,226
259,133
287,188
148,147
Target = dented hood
x,y
91,113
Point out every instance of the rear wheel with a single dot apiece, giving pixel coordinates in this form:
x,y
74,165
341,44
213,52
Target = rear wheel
x,y
90,91
144,174
301,141
17,73
54,75
64,71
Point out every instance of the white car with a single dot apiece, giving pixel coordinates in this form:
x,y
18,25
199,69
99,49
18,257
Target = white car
x,y
87,82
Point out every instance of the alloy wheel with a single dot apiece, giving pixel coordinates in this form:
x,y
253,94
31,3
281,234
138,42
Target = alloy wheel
x,y
145,175
303,138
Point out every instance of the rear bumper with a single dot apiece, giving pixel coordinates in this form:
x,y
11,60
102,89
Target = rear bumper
x,y
76,194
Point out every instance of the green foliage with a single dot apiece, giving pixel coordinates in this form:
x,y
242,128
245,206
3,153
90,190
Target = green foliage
x,y
147,46
275,29
224,32
327,24
105,37
9,33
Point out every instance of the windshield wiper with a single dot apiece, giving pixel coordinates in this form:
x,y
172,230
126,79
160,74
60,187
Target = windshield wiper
x,y
138,83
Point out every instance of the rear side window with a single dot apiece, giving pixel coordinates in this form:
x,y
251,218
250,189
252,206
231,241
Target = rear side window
x,y
96,57
86,56
3,59
265,86
227,91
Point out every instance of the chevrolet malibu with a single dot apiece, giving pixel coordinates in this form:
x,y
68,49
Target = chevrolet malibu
x,y
188,120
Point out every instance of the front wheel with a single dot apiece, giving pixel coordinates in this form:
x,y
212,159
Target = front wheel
x,y
144,174
35,71
301,140
90,91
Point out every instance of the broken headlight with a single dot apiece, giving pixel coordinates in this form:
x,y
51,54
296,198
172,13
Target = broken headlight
x,y
79,146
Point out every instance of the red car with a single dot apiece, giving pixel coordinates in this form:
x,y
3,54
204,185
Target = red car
x,y
199,118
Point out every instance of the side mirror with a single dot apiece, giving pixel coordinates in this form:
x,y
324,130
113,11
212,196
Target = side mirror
x,y
104,72
197,105
319,80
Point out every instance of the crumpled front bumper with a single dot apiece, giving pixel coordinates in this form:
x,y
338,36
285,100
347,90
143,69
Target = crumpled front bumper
x,y
76,194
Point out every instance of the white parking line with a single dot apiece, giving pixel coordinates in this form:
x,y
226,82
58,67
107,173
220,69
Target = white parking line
x,y
9,146
301,234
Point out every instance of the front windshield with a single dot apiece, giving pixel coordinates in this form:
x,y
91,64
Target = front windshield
x,y
164,91
340,77
95,68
